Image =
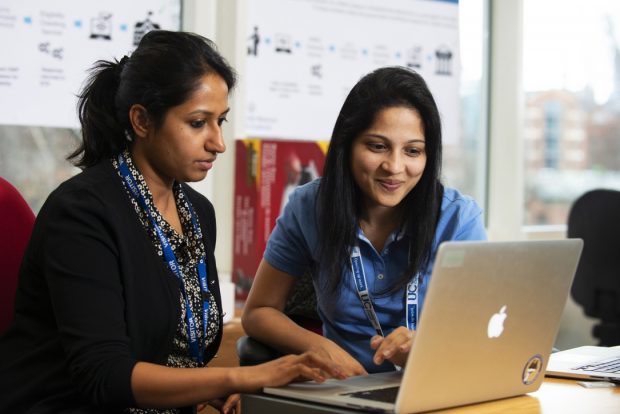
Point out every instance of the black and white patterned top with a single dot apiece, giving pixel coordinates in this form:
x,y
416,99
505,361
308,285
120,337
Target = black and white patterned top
x,y
188,248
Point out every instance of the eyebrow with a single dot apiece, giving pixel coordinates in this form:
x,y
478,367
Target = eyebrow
x,y
209,113
383,137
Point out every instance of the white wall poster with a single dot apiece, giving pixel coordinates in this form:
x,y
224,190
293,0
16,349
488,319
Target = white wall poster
x,y
303,57
48,46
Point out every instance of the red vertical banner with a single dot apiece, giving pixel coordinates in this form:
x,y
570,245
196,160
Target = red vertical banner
x,y
267,171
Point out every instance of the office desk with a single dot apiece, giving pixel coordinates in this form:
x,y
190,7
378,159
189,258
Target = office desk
x,y
554,396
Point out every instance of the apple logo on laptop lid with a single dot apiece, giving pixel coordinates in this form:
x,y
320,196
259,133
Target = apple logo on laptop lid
x,y
496,323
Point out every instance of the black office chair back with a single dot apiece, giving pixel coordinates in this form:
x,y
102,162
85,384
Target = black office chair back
x,y
595,218
300,307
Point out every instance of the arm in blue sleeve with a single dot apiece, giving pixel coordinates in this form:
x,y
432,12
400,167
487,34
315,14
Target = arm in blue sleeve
x,y
289,248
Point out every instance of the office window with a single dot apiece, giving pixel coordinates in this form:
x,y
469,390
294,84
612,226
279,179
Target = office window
x,y
464,162
571,77
33,159
551,128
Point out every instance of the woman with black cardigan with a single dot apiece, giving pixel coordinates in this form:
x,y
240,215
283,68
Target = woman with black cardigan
x,y
118,306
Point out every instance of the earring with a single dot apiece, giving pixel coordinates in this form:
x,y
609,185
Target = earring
x,y
128,136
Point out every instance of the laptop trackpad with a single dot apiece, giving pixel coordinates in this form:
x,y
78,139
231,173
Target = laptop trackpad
x,y
387,395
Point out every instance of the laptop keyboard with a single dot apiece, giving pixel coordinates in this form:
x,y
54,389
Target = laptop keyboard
x,y
387,395
609,365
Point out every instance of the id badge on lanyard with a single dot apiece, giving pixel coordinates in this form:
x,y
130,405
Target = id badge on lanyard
x,y
411,295
195,347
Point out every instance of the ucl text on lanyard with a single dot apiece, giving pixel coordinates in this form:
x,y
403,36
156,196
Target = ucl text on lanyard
x,y
195,347
411,294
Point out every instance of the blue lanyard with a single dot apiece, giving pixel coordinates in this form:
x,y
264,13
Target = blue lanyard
x,y
195,347
411,294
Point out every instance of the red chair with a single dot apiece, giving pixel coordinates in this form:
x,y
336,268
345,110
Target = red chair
x,y
16,221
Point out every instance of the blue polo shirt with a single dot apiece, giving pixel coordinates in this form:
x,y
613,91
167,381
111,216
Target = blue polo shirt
x,y
293,246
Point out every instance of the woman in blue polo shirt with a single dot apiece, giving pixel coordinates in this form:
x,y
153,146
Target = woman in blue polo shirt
x,y
368,230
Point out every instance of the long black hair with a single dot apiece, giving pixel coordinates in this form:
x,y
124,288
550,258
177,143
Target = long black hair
x,y
161,73
339,198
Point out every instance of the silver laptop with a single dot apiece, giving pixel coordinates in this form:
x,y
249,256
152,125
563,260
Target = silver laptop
x,y
586,362
487,328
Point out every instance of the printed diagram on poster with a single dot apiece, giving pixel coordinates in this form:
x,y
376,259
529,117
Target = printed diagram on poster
x,y
299,69
267,172
59,41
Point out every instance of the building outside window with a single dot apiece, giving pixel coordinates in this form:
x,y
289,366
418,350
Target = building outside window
x,y
571,74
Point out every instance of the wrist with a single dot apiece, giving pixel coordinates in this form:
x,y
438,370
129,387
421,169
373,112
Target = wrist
x,y
234,379
240,380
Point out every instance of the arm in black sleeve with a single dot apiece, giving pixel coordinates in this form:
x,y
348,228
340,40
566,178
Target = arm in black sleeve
x,y
82,270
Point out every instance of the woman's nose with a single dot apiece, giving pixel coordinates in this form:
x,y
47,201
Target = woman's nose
x,y
215,141
393,163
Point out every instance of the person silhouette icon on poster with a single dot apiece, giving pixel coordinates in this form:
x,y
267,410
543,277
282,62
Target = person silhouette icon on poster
x,y
254,41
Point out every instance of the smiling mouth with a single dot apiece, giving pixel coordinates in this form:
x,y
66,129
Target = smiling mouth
x,y
390,185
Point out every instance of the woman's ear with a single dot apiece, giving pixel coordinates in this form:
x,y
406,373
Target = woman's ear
x,y
139,118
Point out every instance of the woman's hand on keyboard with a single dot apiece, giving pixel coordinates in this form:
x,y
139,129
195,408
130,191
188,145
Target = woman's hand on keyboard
x,y
394,347
350,366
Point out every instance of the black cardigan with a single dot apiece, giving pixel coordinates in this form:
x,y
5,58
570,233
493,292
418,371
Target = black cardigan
x,y
93,299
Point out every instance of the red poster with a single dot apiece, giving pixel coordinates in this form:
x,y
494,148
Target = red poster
x,y
266,173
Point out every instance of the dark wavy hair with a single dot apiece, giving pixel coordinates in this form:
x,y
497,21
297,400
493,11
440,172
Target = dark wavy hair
x,y
339,200
163,71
